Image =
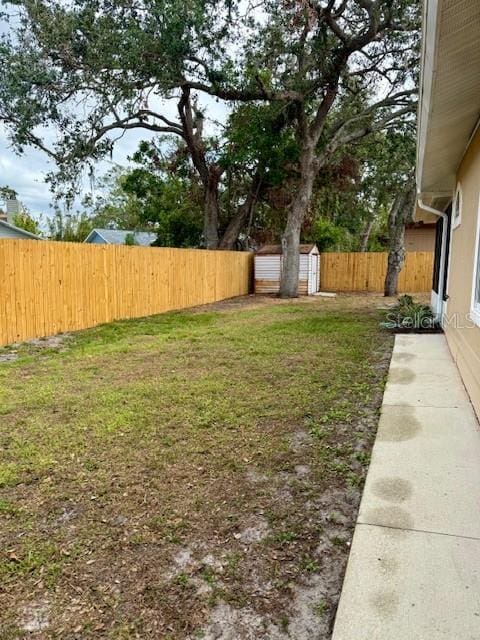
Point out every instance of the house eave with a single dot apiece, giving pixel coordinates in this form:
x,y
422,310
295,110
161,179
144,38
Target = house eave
x,y
449,105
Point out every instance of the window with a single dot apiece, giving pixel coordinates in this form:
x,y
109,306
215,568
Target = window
x,y
475,313
457,208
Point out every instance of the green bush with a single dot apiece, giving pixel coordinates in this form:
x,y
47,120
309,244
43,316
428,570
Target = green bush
x,y
326,235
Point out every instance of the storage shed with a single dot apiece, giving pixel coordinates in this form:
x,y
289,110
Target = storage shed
x,y
268,269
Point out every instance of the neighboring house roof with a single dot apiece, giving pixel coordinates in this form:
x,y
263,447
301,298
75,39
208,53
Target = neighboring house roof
x,y
277,249
118,236
449,93
8,230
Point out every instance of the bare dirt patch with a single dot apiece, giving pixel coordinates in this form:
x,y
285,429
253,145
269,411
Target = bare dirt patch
x,y
13,352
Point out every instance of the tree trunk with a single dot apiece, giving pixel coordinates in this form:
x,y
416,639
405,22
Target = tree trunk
x,y
211,212
235,226
400,212
366,236
192,120
243,213
296,216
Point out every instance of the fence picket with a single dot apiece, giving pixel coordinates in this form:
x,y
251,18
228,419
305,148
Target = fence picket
x,y
51,287
366,272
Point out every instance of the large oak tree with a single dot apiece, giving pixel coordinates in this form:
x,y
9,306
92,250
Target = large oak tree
x,y
95,68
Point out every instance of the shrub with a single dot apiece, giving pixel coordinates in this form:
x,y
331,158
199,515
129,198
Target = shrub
x,y
409,314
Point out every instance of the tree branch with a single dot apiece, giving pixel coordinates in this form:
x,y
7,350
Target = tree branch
x,y
243,95
339,140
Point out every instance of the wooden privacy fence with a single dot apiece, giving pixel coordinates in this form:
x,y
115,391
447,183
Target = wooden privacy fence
x,y
366,272
52,287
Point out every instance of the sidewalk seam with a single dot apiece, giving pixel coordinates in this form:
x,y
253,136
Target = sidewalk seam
x,y
427,406
427,531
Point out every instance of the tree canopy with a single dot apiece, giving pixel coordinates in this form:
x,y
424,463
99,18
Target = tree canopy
x,y
302,80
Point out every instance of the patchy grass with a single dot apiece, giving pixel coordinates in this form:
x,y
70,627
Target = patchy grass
x,y
195,471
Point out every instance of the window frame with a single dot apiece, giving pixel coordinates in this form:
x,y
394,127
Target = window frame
x,y
475,304
457,207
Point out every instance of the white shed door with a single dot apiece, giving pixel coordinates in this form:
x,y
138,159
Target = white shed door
x,y
313,283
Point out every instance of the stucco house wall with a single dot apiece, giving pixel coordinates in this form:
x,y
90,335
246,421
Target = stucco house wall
x,y
462,334
420,238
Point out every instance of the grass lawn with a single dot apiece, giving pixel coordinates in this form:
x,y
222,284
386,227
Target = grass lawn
x,y
189,475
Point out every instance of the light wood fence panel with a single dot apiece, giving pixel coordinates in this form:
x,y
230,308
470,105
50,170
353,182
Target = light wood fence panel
x,y
366,272
53,287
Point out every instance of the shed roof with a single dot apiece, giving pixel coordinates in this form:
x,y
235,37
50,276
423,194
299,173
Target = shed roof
x,y
118,236
276,249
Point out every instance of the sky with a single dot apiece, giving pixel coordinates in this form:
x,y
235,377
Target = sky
x,y
26,173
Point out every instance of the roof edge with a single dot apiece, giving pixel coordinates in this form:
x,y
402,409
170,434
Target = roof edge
x,y
97,231
276,249
430,36
29,234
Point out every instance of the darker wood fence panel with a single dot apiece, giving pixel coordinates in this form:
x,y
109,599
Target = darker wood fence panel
x,y
366,272
53,287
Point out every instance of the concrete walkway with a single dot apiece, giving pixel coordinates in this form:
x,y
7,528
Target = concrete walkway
x,y
414,566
